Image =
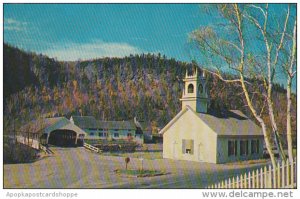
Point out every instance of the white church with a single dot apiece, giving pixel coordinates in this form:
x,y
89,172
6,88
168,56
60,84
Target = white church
x,y
196,134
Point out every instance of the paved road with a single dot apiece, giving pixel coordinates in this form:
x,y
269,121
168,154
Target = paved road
x,y
78,168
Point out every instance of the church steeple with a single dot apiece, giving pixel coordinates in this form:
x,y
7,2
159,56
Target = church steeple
x,y
195,92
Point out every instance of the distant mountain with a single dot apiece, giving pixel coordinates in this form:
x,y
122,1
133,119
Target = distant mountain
x,y
147,86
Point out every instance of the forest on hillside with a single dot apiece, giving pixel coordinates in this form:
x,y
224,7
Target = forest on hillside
x,y
148,86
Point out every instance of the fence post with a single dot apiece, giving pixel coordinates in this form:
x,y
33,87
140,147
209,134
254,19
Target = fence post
x,y
265,177
278,175
249,179
241,181
274,178
261,178
225,185
222,184
229,183
257,178
237,182
253,180
292,174
233,183
245,181
270,177
283,175
288,173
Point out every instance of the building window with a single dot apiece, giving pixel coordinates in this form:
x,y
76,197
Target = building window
x,y
102,134
188,147
91,134
254,146
232,148
244,147
190,88
116,135
129,134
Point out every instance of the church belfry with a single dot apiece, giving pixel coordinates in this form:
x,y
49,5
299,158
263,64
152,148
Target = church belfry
x,y
195,92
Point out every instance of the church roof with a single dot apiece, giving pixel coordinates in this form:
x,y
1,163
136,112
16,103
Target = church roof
x,y
226,123
230,122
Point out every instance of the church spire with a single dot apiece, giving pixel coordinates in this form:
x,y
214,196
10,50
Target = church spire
x,y
195,92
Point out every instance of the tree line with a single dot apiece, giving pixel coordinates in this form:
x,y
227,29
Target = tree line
x,y
148,86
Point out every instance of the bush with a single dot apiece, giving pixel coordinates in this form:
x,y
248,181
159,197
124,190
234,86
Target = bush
x,y
114,146
14,152
120,147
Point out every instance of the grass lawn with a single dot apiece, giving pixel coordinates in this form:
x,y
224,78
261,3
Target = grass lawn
x,y
140,173
145,155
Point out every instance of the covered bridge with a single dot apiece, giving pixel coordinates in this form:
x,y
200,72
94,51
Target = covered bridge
x,y
58,131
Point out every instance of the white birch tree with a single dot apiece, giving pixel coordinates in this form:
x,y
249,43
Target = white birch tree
x,y
241,45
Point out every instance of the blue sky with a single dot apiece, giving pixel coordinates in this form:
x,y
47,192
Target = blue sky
x,y
73,31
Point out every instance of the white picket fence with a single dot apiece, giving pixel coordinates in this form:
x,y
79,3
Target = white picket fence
x,y
284,176
92,148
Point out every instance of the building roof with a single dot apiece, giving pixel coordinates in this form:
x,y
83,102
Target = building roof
x,y
116,125
85,122
90,122
226,123
47,125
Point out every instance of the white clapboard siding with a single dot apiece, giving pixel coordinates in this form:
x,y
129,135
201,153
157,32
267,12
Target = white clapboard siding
x,y
266,177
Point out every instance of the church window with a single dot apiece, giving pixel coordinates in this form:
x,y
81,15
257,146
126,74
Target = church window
x,y
232,148
244,147
191,88
254,146
188,146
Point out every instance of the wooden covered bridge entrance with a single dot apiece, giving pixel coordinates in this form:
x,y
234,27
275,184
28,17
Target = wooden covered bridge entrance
x,y
57,131
64,138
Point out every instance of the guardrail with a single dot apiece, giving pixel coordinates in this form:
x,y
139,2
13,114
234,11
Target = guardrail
x,y
92,148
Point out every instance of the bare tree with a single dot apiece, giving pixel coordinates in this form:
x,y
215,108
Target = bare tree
x,y
271,61
289,67
240,45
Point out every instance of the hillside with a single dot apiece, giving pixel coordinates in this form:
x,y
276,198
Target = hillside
x,y
147,86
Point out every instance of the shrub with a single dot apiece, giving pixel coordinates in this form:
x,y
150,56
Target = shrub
x,y
14,152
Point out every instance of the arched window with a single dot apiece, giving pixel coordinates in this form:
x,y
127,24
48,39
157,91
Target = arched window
x,y
200,88
190,88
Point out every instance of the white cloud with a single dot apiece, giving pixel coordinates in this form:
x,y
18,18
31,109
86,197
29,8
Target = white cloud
x,y
97,49
14,25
